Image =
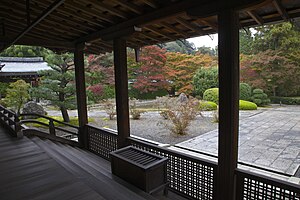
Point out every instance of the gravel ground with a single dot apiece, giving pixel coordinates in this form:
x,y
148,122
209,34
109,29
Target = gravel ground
x,y
153,127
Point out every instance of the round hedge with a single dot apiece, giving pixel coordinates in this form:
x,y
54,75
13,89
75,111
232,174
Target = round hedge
x,y
207,105
247,105
211,94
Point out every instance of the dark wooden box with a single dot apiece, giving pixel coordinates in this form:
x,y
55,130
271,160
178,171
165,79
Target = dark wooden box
x,y
145,170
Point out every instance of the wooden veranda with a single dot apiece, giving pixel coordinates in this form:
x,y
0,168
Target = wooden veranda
x,y
99,26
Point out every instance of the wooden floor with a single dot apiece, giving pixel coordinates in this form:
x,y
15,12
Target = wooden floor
x,y
31,168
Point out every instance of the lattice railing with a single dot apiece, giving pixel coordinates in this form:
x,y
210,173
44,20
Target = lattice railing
x,y
187,175
252,186
101,141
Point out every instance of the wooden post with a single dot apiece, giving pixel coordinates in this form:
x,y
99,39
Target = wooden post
x,y
121,84
81,94
228,103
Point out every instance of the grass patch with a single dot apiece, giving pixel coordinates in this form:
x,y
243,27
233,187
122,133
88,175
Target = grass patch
x,y
73,121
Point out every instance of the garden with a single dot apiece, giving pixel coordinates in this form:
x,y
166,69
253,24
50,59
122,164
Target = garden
x,y
173,87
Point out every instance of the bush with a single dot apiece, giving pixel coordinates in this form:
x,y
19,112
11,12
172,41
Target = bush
x,y
204,79
247,105
134,93
211,94
260,98
134,112
286,100
180,114
207,105
245,91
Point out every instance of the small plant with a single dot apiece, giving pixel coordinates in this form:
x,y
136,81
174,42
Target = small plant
x,y
134,112
247,105
180,114
216,115
211,94
207,105
260,98
110,108
164,114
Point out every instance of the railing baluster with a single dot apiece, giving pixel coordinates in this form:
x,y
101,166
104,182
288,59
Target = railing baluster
x,y
51,127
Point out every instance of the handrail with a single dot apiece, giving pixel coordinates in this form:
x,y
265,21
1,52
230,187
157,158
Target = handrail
x,y
10,120
50,125
49,118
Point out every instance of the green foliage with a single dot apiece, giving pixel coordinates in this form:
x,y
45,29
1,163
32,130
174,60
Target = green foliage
x,y
134,93
24,51
205,78
211,94
286,100
207,50
207,105
181,46
247,105
17,95
246,41
133,110
57,85
245,91
3,88
260,98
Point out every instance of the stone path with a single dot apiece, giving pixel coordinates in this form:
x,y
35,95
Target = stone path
x,y
269,139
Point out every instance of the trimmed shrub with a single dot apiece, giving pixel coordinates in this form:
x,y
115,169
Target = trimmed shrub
x,y
211,94
247,105
245,91
207,105
260,98
204,79
286,100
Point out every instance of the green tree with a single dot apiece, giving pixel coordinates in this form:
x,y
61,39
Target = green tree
x,y
17,95
3,87
246,41
180,46
205,78
25,51
57,85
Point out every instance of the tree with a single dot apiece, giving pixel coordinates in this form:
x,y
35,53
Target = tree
x,y
100,77
180,46
206,50
205,78
273,72
25,51
150,72
182,67
17,95
57,85
246,41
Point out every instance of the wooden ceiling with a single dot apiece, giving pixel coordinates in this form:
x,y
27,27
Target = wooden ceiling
x,y
142,22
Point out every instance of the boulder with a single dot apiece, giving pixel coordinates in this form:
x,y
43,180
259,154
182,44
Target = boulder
x,y
183,98
33,107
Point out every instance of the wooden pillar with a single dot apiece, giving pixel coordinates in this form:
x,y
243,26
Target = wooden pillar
x,y
81,94
121,84
228,103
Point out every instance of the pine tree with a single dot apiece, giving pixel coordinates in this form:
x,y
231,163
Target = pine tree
x,y
57,85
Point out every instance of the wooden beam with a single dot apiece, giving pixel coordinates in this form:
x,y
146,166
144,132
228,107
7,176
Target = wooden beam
x,y
214,7
48,11
148,18
228,103
40,42
122,33
281,9
189,25
81,94
173,28
121,86
256,17
28,12
129,5
151,3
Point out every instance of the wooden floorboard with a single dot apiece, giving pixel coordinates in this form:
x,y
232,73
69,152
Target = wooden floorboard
x,y
36,169
27,172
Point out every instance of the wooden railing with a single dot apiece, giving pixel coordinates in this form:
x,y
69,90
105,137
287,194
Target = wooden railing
x,y
10,120
250,186
68,136
101,141
189,176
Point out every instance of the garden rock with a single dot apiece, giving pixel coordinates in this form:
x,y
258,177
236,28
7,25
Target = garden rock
x,y
33,107
182,98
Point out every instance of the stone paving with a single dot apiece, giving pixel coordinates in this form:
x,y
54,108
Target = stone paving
x,y
269,138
